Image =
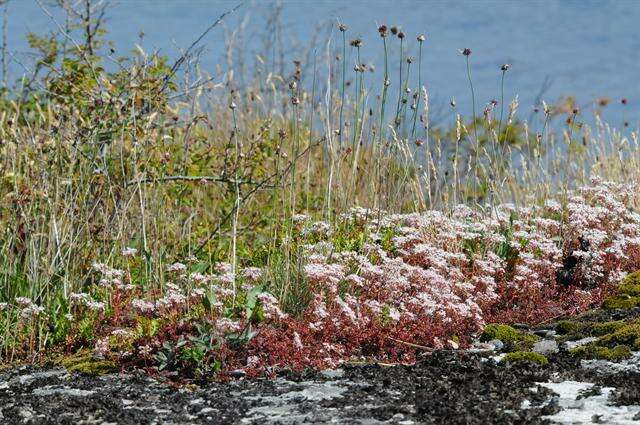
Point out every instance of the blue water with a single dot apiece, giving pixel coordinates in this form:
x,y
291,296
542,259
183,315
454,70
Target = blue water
x,y
584,48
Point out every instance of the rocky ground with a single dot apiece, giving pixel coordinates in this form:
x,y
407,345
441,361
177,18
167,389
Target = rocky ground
x,y
462,386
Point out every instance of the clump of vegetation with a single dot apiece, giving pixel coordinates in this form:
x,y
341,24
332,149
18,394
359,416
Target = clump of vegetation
x,y
568,327
628,296
630,285
603,328
621,302
594,351
628,334
513,339
84,362
525,356
170,221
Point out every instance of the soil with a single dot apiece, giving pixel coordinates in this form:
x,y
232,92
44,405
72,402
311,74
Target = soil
x,y
446,387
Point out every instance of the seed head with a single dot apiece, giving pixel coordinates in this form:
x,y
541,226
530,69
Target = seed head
x,y
382,30
452,102
505,67
233,106
400,35
295,100
356,42
624,101
342,27
394,30
421,38
293,85
466,52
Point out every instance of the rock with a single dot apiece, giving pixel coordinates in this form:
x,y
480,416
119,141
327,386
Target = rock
x,y
238,373
545,333
584,341
71,392
333,373
480,347
576,404
545,346
497,344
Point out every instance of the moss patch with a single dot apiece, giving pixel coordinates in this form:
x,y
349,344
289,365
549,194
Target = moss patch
x,y
513,339
600,329
625,335
85,363
565,327
621,302
593,351
630,285
628,294
525,356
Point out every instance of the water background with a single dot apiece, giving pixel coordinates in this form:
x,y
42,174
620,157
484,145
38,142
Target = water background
x,y
585,48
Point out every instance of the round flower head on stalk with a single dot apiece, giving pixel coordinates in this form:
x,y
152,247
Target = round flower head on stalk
x,y
505,67
382,30
465,52
421,38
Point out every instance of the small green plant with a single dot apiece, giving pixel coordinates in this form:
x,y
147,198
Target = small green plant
x,y
628,334
525,356
621,302
593,351
513,339
565,327
84,362
600,329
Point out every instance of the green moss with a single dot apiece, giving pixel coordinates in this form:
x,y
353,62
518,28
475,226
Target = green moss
x,y
513,339
600,329
525,356
84,363
625,335
621,302
565,327
630,285
592,351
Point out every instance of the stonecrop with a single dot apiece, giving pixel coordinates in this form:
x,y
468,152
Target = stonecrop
x,y
379,286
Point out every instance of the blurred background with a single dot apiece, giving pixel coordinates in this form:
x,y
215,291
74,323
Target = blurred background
x,y
581,48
